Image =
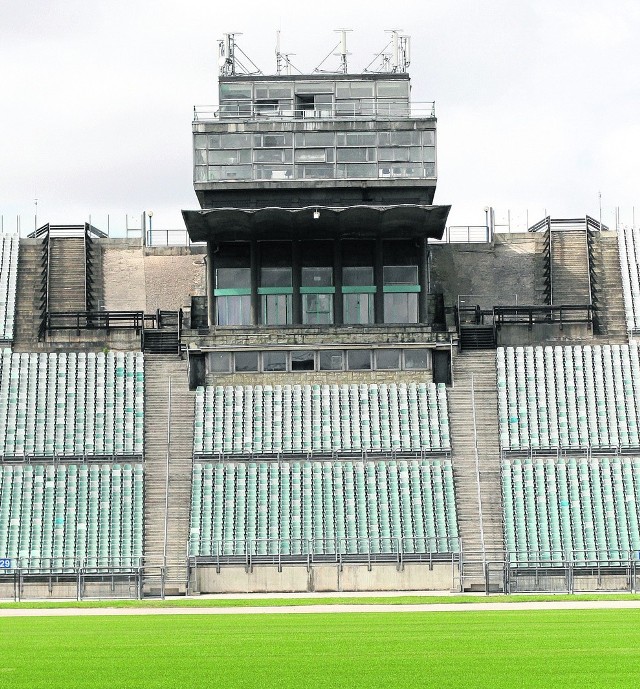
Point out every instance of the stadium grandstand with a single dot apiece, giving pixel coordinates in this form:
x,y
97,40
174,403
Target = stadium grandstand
x,y
327,388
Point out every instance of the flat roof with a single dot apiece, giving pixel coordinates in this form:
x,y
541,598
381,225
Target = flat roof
x,y
352,222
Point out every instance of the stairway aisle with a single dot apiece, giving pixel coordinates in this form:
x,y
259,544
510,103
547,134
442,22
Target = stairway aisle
x,y
67,274
570,280
162,422
608,292
479,517
29,296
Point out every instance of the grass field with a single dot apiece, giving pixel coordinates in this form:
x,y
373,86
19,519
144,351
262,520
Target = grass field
x,y
585,648
256,602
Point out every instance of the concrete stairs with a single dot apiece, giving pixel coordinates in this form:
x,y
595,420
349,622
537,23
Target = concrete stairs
x,y
167,513
478,488
67,274
29,296
570,280
607,288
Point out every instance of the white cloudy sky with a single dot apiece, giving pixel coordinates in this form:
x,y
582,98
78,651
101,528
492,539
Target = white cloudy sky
x,y
538,101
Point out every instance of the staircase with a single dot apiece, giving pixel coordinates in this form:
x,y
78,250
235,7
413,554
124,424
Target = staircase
x,y
166,516
161,341
570,280
67,286
478,488
30,296
607,293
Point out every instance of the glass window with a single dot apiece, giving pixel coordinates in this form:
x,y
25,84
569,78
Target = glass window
x,y
315,139
388,359
246,362
429,154
400,275
274,171
229,172
429,170
314,171
229,157
317,277
233,278
357,276
393,89
393,154
302,361
276,309
354,89
401,307
317,309
200,140
357,170
417,358
201,173
357,308
272,155
214,141
278,139
235,141
356,138
235,91
274,91
428,138
407,137
359,359
275,277
219,362
200,157
330,360
355,155
311,155
233,310
274,361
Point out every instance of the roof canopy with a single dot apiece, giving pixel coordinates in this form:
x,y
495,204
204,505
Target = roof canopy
x,y
356,222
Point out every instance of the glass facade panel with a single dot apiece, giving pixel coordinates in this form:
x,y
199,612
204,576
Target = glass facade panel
x,y
393,89
278,90
428,138
357,276
356,170
429,154
272,155
394,154
356,138
401,307
359,359
331,360
235,141
408,137
417,358
355,155
317,309
272,140
315,139
387,359
273,171
246,362
233,278
200,141
235,91
275,277
317,277
302,361
400,275
201,173
233,310
229,157
276,309
314,171
219,362
229,172
354,89
311,155
429,170
358,308
274,361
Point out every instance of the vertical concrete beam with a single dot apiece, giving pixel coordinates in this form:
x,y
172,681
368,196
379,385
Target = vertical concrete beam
x,y
211,282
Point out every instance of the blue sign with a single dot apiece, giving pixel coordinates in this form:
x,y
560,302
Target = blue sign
x,y
6,563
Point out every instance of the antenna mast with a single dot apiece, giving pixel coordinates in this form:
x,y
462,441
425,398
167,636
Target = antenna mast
x,y
398,60
228,62
343,50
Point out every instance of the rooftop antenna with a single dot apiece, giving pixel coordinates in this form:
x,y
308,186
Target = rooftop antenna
x,y
343,49
282,59
228,62
342,46
398,60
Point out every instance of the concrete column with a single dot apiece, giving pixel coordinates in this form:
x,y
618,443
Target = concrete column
x,y
378,274
255,281
423,279
338,316
295,282
211,283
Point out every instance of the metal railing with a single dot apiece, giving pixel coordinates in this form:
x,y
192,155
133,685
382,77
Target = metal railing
x,y
541,313
465,234
364,108
177,237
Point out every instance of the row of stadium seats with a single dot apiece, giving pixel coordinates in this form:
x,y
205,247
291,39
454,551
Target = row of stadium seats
x,y
56,517
323,507
582,510
9,245
569,397
71,404
321,419
629,249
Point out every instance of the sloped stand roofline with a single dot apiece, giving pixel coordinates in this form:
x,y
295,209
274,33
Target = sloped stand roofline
x,y
329,222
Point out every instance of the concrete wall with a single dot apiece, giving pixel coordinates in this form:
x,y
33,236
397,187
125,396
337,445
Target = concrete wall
x,y
296,578
499,272
320,378
146,279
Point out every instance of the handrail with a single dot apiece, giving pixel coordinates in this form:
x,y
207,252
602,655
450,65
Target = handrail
x,y
86,280
373,108
477,463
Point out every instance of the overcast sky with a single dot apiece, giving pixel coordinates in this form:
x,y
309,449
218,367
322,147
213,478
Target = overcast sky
x,y
538,102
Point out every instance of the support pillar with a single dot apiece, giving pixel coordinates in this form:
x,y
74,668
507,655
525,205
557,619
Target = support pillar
x,y
211,284
378,274
338,316
423,278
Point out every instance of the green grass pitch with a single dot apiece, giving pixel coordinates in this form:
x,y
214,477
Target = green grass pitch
x,y
577,648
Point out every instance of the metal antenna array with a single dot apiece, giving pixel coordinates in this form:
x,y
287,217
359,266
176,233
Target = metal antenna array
x,y
228,62
398,60
342,54
282,59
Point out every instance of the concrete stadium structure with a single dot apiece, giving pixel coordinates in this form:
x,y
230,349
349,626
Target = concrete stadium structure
x,y
321,393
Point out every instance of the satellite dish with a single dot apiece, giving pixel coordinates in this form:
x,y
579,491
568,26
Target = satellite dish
x,y
222,61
